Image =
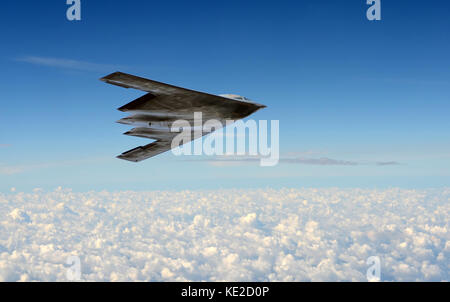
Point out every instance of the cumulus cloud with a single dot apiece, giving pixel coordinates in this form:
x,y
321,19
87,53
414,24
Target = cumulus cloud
x,y
226,235
66,63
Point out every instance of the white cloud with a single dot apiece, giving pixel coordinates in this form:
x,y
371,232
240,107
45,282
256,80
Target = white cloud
x,y
10,170
22,168
20,215
226,235
67,63
290,158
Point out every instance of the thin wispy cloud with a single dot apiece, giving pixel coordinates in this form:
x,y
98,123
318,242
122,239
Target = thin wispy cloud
x,y
323,161
67,63
307,153
10,170
5,145
23,168
19,169
221,161
234,160
388,163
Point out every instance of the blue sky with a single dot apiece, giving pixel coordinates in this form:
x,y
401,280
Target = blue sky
x,y
342,87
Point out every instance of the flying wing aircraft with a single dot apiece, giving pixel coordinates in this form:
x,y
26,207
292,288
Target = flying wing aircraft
x,y
154,113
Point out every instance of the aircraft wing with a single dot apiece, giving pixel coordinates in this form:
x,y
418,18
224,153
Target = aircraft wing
x,y
165,104
162,144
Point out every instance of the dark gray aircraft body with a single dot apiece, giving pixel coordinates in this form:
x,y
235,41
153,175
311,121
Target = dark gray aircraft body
x,y
154,113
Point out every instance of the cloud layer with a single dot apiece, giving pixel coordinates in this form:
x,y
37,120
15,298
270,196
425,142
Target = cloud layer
x,y
322,161
226,235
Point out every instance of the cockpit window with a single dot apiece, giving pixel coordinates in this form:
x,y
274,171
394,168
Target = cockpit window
x,y
235,97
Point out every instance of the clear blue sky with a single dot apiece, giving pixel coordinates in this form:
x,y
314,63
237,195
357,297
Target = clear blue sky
x,y
342,87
